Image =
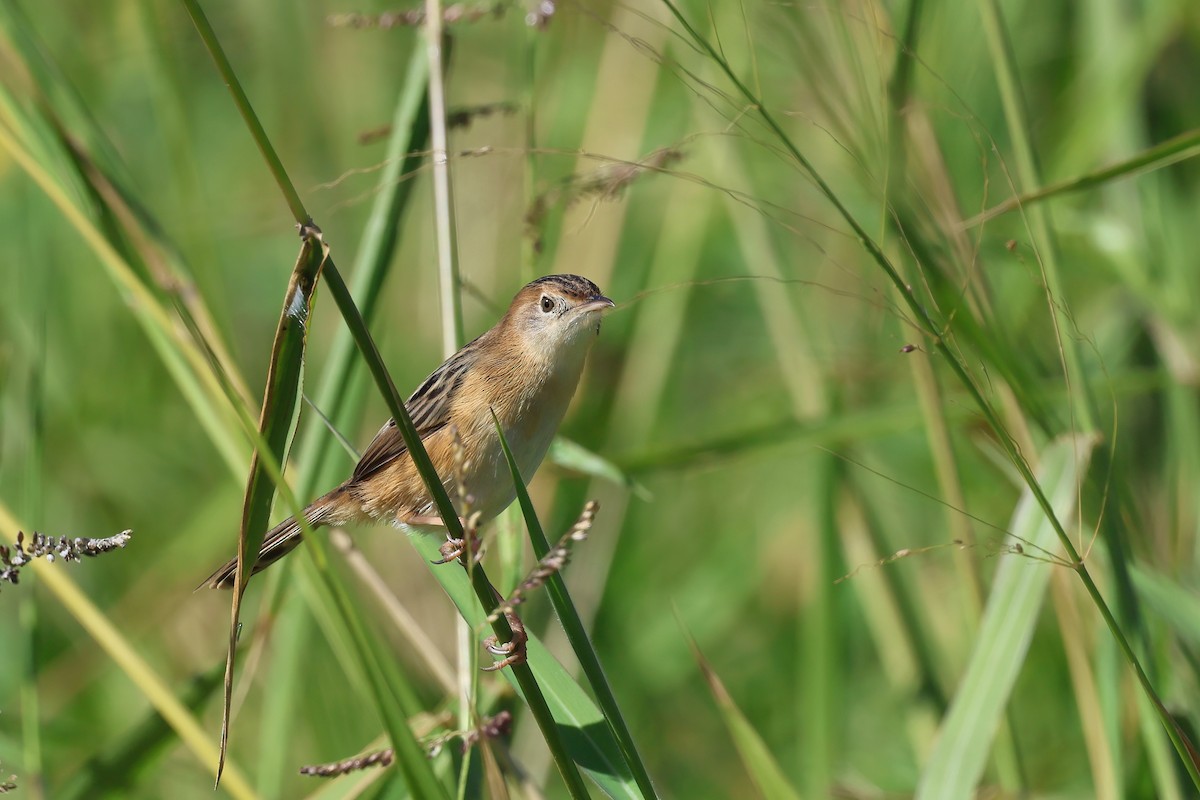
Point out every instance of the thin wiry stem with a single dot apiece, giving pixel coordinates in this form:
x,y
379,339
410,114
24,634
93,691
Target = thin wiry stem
x,y
574,628
935,331
447,262
447,251
281,397
480,584
213,45
1177,148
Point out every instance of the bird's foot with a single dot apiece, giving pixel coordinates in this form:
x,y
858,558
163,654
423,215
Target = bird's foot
x,y
453,548
513,651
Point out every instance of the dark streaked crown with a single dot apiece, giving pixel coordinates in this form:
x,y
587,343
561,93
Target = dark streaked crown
x,y
572,286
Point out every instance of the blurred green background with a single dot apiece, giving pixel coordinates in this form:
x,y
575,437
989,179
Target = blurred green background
x,y
753,382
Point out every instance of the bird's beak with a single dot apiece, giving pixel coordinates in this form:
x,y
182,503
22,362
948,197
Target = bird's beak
x,y
597,303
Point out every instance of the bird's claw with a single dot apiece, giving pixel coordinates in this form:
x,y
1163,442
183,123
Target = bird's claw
x,y
513,651
451,550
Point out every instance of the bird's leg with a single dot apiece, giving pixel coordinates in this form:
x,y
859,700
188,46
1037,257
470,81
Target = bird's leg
x,y
513,650
426,520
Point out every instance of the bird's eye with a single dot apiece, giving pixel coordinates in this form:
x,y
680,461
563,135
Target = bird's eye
x,y
547,304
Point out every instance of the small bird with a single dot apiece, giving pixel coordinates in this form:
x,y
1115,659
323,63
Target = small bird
x,y
525,370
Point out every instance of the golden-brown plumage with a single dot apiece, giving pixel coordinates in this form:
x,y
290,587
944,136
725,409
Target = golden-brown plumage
x,y
525,369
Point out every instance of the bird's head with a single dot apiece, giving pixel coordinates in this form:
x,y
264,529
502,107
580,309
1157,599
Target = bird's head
x,y
557,313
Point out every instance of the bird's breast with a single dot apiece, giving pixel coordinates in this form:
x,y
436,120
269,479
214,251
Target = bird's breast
x,y
530,418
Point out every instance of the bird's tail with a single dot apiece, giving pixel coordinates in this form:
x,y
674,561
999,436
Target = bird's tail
x,y
279,541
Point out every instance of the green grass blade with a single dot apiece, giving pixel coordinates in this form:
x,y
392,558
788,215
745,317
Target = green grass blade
x,y
819,650
106,634
764,769
213,45
281,405
577,635
580,724
937,334
410,130
383,380
394,699
65,120
293,630
1014,604
1178,148
340,396
117,768
367,663
482,587
47,74
577,458
404,424
1085,405
1177,606
914,629
181,358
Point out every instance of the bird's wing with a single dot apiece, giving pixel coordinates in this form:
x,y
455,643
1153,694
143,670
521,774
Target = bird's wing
x,y
429,408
